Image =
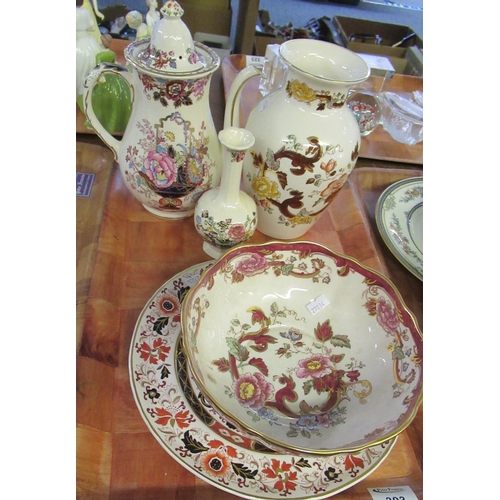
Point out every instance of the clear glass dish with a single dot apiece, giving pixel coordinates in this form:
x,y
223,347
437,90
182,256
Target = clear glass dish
x,y
402,117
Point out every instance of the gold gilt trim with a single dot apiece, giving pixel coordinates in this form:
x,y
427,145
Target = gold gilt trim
x,y
307,248
303,93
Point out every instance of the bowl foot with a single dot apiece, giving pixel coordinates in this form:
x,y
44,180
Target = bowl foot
x,y
172,214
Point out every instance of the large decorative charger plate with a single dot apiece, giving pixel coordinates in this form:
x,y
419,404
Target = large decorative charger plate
x,y
188,432
399,217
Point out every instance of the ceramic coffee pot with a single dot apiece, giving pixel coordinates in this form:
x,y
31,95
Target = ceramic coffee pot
x,y
307,140
169,153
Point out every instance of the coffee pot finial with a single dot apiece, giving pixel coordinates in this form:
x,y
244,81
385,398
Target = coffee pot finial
x,y
172,9
172,47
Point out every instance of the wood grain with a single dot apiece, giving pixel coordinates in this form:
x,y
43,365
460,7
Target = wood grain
x,y
98,160
117,457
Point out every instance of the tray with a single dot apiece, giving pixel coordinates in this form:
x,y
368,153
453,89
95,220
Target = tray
x,y
117,455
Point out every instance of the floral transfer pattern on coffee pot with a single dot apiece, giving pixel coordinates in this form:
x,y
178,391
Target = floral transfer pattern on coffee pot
x,y
169,154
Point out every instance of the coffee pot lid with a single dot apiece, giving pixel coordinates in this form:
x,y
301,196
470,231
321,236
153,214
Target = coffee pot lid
x,y
171,48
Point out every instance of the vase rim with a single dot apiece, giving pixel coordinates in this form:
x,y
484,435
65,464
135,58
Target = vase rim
x,y
236,139
325,60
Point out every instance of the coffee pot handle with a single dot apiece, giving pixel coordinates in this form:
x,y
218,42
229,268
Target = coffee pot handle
x,y
232,112
90,82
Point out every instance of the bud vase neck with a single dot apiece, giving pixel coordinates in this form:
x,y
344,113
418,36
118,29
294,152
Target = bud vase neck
x,y
236,142
226,216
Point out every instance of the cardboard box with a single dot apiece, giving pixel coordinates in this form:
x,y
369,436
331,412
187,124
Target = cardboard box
x,y
379,65
397,57
361,36
204,17
389,34
262,41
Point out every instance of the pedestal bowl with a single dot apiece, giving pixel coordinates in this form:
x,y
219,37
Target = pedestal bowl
x,y
305,348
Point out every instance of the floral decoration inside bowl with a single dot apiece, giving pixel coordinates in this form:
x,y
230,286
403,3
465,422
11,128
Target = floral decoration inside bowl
x,y
306,348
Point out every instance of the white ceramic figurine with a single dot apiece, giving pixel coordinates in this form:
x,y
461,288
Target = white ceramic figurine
x,y
93,13
87,47
153,15
134,20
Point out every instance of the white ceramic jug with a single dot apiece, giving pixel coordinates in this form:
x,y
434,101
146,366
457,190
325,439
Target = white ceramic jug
x,y
169,154
307,140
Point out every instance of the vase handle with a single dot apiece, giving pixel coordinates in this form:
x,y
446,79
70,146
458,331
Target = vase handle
x,y
90,82
232,112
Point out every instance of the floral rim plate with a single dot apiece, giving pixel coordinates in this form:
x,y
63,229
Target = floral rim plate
x,y
399,217
156,368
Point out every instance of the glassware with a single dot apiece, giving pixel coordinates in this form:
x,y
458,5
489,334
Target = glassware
x,y
402,117
367,109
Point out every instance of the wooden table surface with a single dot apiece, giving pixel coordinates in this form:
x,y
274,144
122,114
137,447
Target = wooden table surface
x,y
124,254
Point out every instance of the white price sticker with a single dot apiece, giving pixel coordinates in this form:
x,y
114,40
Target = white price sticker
x,y
316,305
393,493
255,61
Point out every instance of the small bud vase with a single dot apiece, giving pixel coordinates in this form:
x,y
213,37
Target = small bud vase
x,y
226,216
